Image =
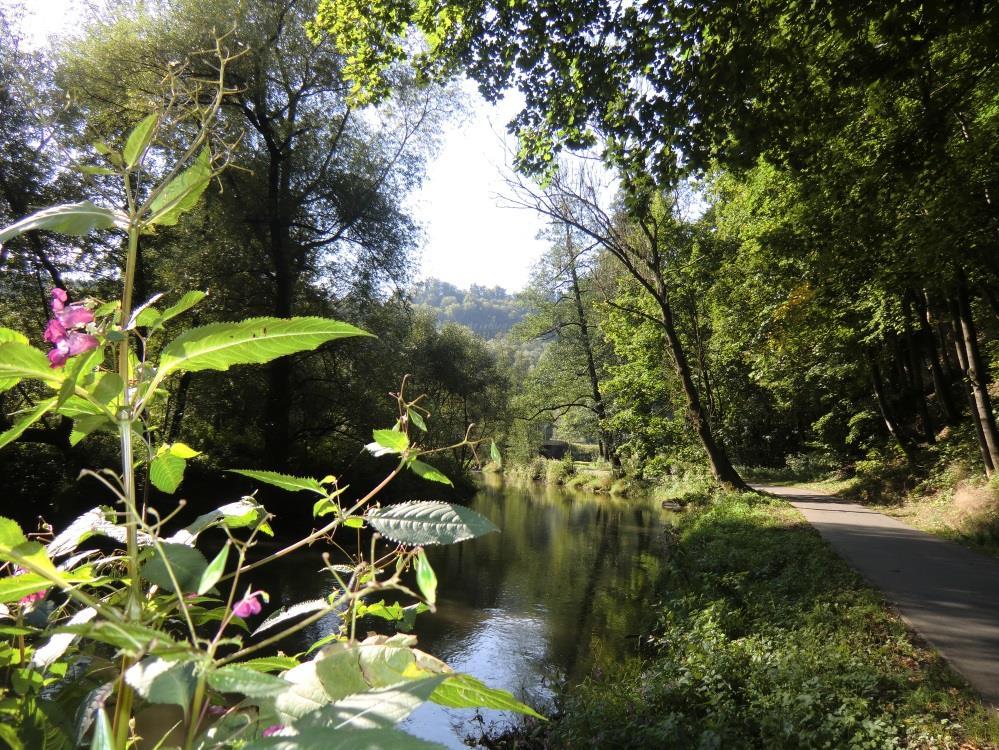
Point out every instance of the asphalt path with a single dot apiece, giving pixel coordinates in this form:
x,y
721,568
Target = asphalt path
x,y
947,593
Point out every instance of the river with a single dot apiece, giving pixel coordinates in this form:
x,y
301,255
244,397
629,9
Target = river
x,y
566,583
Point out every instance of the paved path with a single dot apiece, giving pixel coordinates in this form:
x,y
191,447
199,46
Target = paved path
x,y
947,593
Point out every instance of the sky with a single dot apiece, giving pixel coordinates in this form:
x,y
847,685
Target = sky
x,y
469,237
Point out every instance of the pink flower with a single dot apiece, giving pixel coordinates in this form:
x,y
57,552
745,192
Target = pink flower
x,y
73,343
63,330
248,606
273,729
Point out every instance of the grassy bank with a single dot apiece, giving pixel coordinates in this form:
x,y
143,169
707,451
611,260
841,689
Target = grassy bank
x,y
767,640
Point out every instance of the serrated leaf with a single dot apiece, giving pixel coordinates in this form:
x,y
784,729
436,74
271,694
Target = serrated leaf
x,y
423,522
390,440
40,410
94,169
166,472
11,534
130,638
183,450
15,588
186,563
164,681
10,335
270,663
284,481
138,140
255,341
380,708
253,683
464,691
295,610
428,472
416,418
182,192
84,426
19,361
426,579
77,219
214,570
185,303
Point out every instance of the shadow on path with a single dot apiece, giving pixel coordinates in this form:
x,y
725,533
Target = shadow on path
x,y
947,593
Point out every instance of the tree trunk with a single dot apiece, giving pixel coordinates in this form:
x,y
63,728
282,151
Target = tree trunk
x,y
894,428
977,377
940,384
277,409
607,451
721,468
915,350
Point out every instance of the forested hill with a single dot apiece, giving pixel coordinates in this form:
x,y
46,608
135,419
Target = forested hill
x,y
488,311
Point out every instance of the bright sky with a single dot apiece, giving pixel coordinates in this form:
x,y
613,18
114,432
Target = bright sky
x,y
469,238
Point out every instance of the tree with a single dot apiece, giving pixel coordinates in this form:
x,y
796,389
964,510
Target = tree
x,y
317,203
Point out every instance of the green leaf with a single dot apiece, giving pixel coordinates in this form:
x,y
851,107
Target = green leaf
x,y
495,455
326,739
86,425
237,515
392,441
187,563
381,708
139,139
130,638
426,579
11,535
33,416
184,304
164,681
464,691
428,472
16,588
166,472
295,610
270,663
214,570
94,169
183,450
253,683
182,192
107,388
416,418
353,522
284,481
255,341
18,361
429,522
8,334
103,739
76,219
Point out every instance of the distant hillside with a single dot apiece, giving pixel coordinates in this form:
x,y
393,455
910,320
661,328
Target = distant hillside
x,y
489,312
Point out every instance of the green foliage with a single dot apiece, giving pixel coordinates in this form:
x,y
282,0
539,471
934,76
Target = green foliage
x,y
429,522
773,642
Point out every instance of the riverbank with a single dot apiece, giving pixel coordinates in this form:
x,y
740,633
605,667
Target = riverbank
x,y
767,639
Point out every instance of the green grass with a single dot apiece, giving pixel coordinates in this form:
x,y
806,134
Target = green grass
x,y
767,640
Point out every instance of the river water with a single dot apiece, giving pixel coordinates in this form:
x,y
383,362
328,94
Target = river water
x,y
566,585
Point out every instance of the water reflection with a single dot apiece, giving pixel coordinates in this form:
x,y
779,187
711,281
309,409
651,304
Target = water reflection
x,y
565,585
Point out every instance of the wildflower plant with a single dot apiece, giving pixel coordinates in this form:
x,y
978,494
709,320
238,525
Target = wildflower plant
x,y
91,639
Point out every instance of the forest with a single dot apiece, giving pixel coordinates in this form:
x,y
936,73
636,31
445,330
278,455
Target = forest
x,y
772,238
